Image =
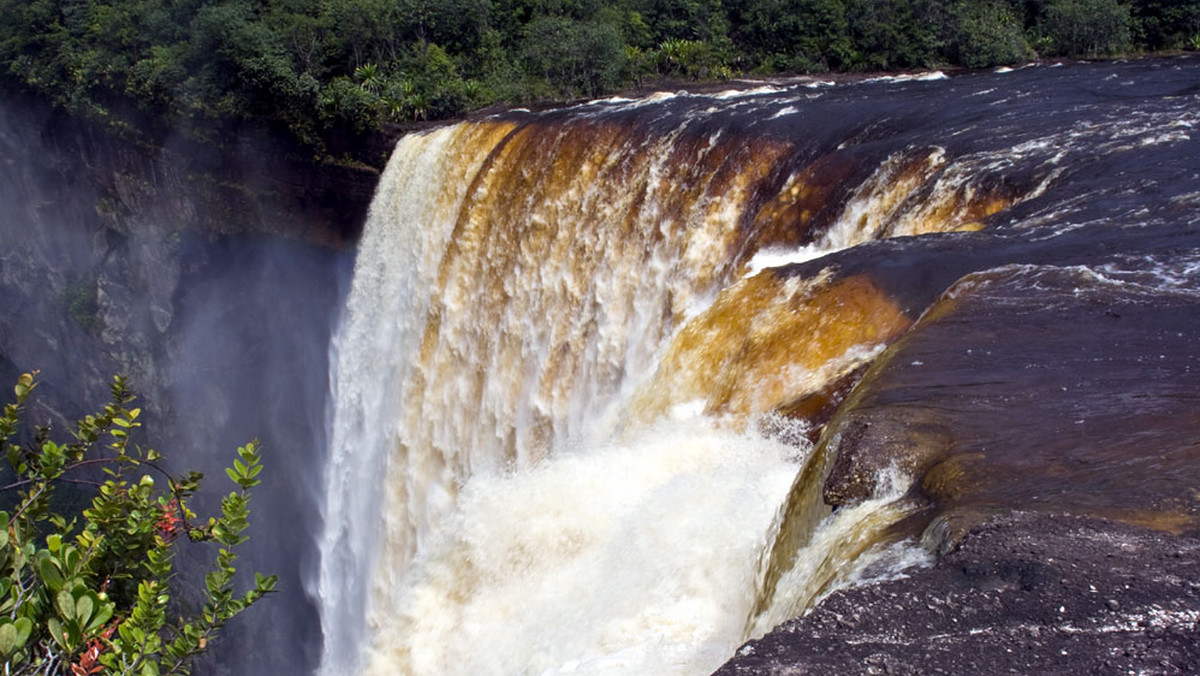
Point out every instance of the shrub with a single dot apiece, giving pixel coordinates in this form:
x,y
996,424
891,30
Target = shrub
x,y
79,297
90,591
343,103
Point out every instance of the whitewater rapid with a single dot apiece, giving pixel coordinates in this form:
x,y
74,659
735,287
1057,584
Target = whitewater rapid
x,y
630,557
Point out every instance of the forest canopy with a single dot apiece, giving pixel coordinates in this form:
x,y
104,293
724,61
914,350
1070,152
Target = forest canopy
x,y
316,66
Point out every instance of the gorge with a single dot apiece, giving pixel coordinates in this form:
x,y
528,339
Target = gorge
x,y
625,386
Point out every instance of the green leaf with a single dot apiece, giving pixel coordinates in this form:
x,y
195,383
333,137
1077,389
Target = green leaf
x,y
54,542
8,639
103,615
83,609
50,573
24,626
232,474
71,558
57,633
65,603
127,632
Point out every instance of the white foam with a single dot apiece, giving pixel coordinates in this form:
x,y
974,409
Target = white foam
x,y
929,76
827,562
631,558
740,93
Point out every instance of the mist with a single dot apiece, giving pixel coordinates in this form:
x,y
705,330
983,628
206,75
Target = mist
x,y
224,337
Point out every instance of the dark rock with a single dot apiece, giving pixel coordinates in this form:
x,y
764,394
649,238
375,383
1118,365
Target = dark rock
x,y
100,231
969,613
1017,391
1056,451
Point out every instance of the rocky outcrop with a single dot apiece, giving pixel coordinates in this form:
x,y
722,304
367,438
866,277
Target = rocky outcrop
x,y
1064,389
1046,413
99,232
1030,592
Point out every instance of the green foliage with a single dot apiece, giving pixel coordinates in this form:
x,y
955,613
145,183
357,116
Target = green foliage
x,y
700,20
321,68
90,592
438,91
987,34
801,35
1087,28
694,59
79,297
346,104
575,57
1167,24
889,34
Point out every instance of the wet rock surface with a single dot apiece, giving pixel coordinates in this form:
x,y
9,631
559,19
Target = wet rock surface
x,y
1025,593
1047,415
1041,387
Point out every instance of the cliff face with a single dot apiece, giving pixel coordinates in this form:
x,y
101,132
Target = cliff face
x,y
99,232
211,277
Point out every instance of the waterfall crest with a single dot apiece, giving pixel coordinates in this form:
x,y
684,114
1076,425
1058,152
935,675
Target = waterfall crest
x,y
565,370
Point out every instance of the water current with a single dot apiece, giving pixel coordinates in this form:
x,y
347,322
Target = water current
x,y
587,351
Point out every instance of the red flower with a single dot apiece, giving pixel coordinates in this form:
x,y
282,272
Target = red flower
x,y
89,661
169,524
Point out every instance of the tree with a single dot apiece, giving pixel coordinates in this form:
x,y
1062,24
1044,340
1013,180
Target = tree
x,y
1162,24
700,20
986,34
242,68
888,34
439,89
90,590
1088,28
576,57
808,35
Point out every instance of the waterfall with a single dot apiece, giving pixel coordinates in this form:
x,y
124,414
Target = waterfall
x,y
557,440
385,314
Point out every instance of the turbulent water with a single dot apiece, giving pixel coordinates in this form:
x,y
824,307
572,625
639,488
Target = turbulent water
x,y
587,351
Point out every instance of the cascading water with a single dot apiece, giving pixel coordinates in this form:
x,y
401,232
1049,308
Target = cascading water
x,y
556,444
385,312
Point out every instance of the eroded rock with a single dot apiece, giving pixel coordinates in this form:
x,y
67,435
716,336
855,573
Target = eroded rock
x,y
1038,387
1029,592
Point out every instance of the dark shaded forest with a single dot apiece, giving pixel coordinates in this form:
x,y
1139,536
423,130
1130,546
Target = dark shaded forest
x,y
318,68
